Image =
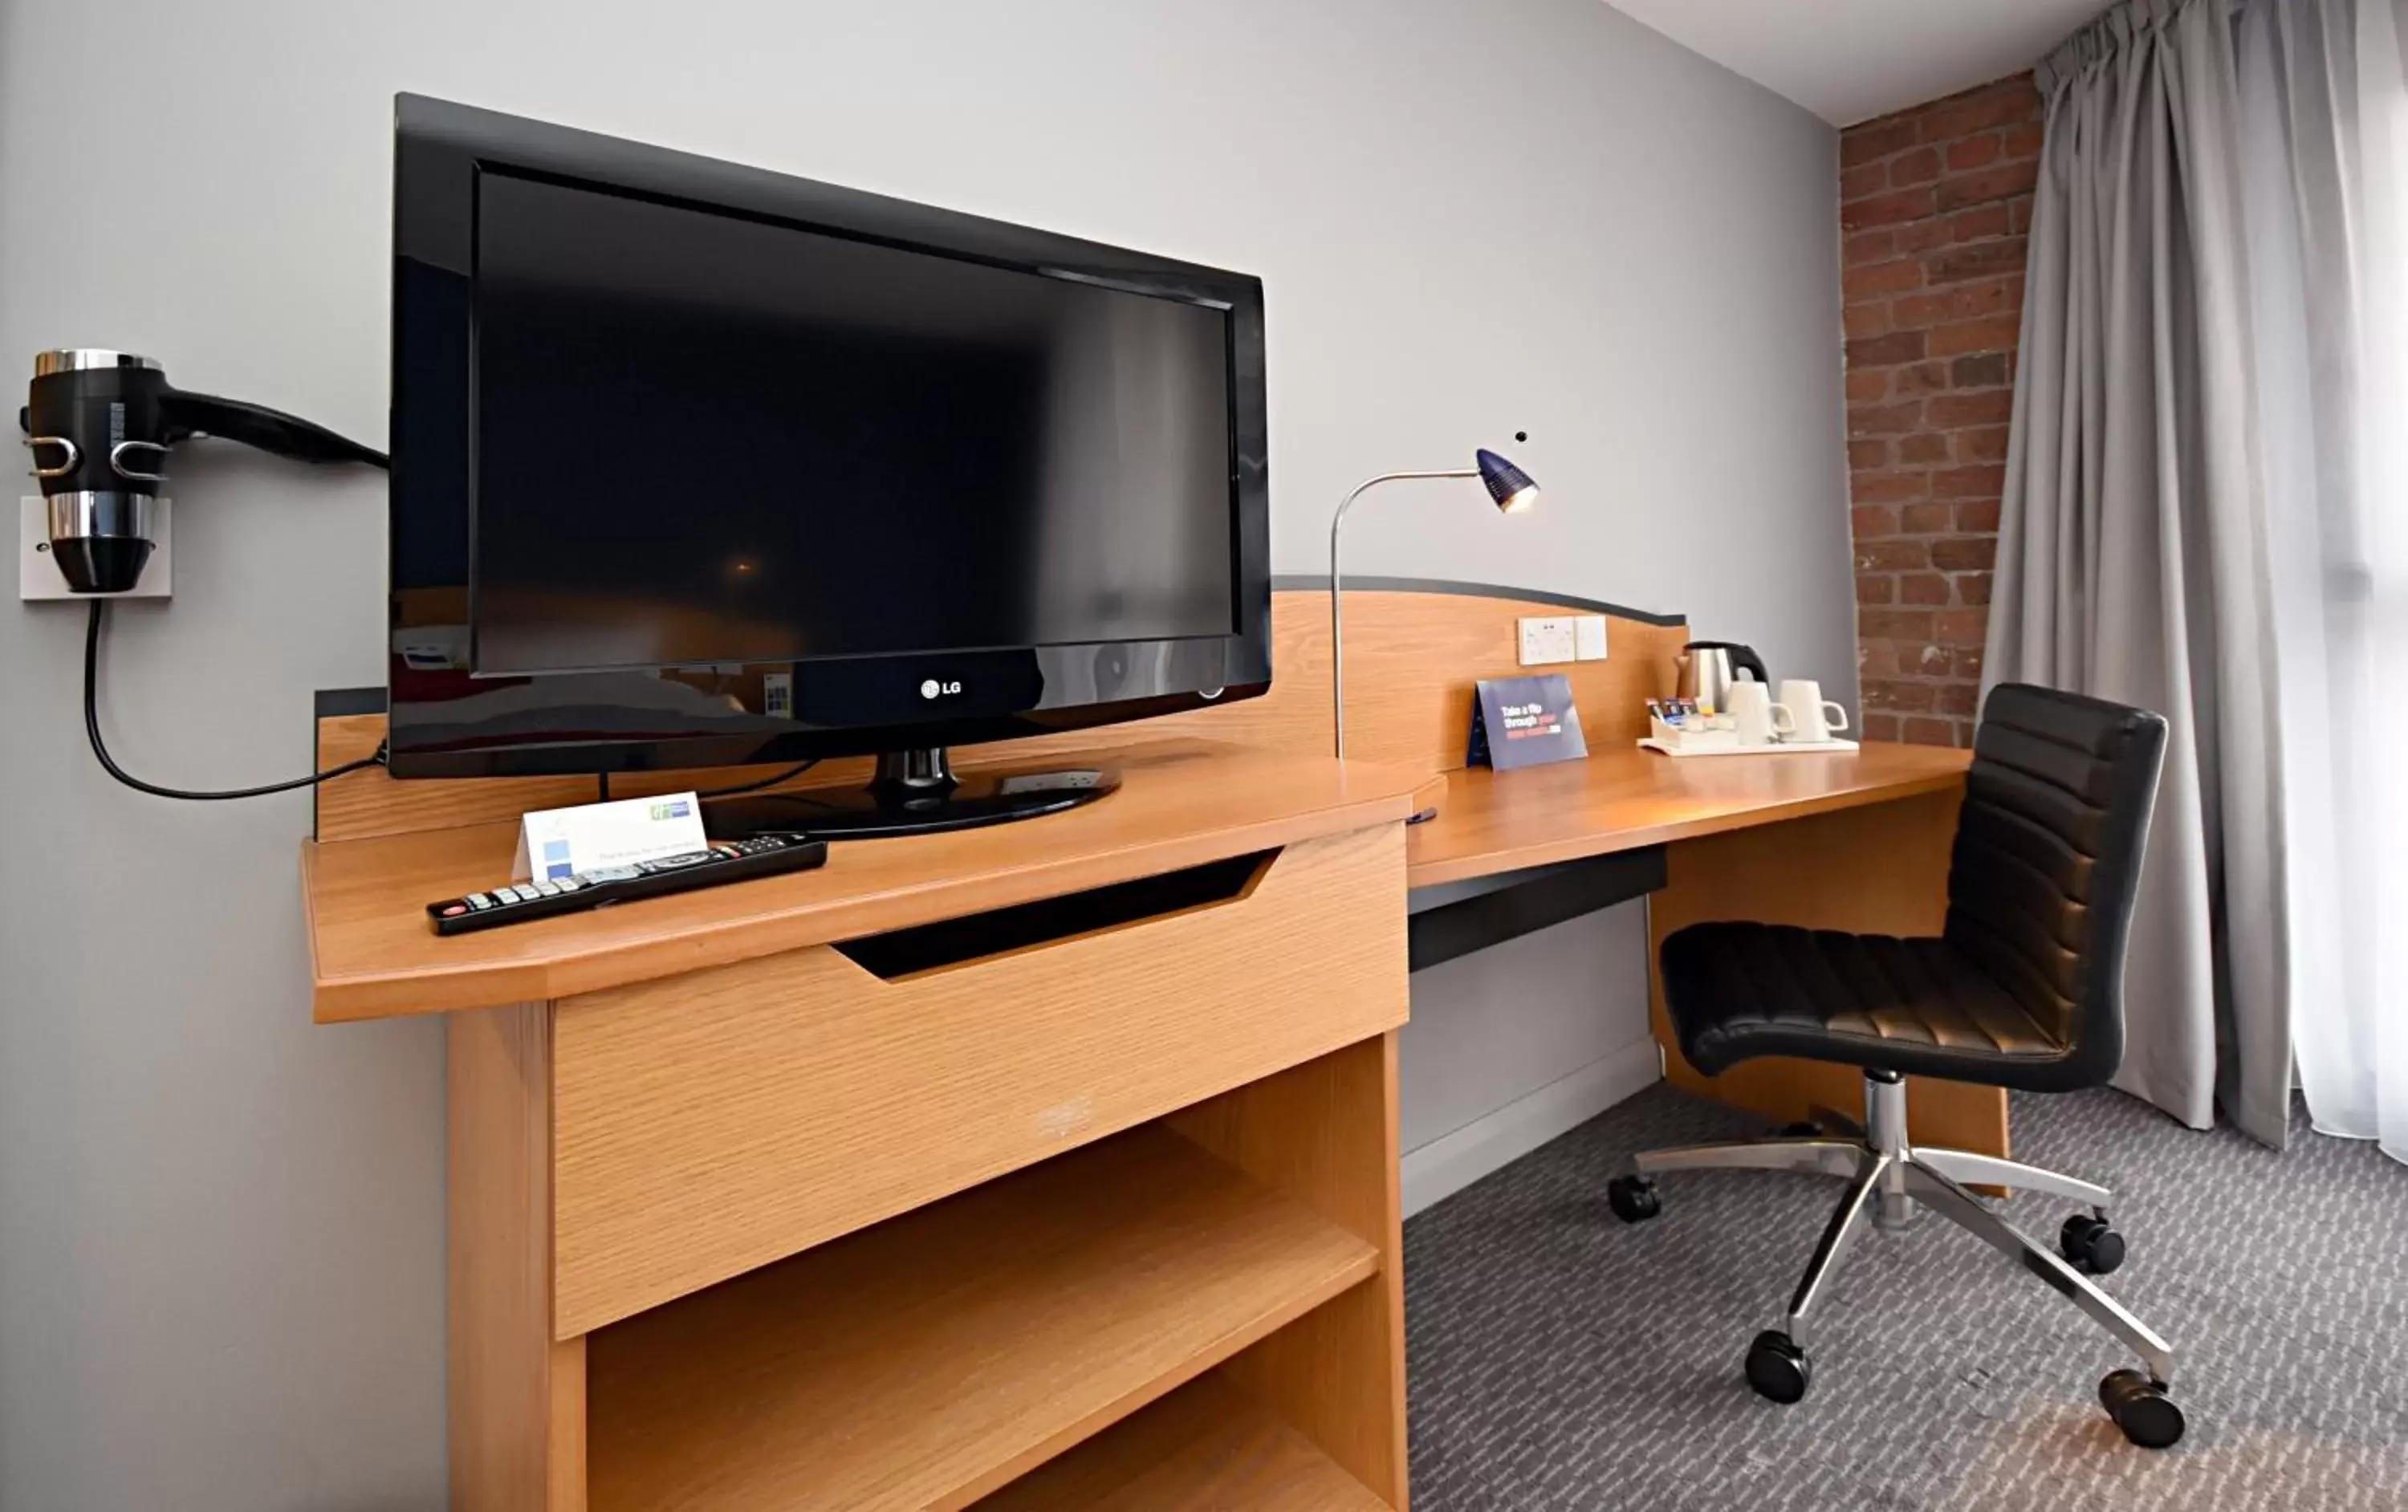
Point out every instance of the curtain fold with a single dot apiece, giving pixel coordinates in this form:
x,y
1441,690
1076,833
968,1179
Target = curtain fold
x,y
2325,101
2203,515
2131,560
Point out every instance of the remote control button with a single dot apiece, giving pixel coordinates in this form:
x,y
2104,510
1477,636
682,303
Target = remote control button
x,y
522,893
477,901
455,910
548,887
569,884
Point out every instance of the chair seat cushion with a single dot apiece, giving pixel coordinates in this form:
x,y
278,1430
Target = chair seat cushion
x,y
1921,1007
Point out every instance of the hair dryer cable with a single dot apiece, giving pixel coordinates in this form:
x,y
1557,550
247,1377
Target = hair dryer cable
x,y
108,764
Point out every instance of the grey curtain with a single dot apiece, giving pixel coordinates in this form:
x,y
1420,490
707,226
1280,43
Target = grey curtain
x,y
2131,548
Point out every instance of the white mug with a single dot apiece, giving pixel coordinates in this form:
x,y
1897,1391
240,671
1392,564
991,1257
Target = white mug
x,y
1759,718
1816,717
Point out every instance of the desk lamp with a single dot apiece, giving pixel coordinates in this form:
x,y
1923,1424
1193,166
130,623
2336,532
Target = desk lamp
x,y
1509,488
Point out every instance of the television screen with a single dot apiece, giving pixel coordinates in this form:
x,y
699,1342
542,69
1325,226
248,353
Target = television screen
x,y
697,464
705,437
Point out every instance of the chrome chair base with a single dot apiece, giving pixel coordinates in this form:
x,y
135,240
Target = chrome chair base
x,y
1889,1182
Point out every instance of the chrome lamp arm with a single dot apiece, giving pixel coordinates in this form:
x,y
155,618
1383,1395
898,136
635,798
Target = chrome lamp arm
x,y
1338,594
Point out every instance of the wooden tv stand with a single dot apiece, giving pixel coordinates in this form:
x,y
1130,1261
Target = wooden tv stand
x,y
775,1196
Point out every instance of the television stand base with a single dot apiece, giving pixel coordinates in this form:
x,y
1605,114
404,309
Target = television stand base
x,y
915,793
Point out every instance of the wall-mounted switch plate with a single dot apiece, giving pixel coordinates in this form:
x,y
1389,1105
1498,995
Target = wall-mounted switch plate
x,y
1588,637
38,577
1546,639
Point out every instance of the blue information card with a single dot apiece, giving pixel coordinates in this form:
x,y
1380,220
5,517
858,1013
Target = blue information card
x,y
1525,721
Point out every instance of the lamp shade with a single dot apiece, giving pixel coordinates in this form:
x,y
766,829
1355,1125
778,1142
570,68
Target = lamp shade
x,y
1508,485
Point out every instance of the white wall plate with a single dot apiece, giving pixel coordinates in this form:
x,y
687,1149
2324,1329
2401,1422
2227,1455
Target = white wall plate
x,y
37,576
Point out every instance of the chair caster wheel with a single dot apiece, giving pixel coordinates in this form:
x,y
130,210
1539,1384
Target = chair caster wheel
x,y
1778,1369
2141,1410
2089,1245
1633,1198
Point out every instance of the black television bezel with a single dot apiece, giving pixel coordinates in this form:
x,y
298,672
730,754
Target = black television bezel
x,y
439,147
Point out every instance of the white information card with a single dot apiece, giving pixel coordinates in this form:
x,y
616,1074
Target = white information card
x,y
567,842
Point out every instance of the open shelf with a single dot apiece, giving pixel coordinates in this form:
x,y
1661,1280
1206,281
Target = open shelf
x,y
1206,1447
931,1360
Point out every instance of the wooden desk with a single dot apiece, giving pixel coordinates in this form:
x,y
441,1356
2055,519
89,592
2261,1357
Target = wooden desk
x,y
1856,842
1066,1147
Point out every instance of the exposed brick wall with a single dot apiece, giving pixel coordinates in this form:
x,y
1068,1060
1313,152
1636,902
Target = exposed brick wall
x,y
1934,204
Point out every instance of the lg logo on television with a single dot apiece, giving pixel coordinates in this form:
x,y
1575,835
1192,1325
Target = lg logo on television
x,y
933,689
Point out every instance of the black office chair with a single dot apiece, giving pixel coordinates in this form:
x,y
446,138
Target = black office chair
x,y
2023,989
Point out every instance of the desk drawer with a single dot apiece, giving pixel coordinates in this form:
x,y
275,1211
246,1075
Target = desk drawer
x,y
711,1123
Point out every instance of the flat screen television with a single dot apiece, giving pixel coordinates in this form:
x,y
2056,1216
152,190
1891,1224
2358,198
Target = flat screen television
x,y
697,464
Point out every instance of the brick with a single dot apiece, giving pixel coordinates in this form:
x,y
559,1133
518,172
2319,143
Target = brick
x,y
1917,237
2023,141
1981,481
1977,260
1896,624
1958,698
1978,517
1887,350
1896,275
1868,520
1924,520
1877,659
1972,587
1884,420
1985,444
1982,222
1967,663
1875,139
1921,378
1928,731
1868,454
1868,247
1860,321
1899,205
1930,660
1974,151
1995,334
1881,727
1923,449
1921,588
1919,166
1905,697
1889,488
1870,385
2019,215
1863,182
1986,371
2003,180
1965,554
1974,300
1954,411
1876,588
1960,627
2005,102
1895,553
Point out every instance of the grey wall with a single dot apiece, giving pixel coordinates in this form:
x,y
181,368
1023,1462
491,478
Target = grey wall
x,y
221,1229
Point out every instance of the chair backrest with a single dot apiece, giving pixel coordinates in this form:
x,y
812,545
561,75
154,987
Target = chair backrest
x,y
2047,859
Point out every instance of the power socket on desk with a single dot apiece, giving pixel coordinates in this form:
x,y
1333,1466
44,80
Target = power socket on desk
x,y
1550,638
1547,640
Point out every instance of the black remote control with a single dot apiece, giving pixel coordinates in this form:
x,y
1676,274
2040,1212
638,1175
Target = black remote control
x,y
726,861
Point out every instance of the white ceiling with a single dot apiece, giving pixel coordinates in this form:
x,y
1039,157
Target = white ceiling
x,y
1852,60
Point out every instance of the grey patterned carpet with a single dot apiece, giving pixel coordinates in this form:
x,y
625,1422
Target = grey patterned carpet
x,y
1561,1360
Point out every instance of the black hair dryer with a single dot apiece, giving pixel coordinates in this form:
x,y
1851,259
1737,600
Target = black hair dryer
x,y
100,424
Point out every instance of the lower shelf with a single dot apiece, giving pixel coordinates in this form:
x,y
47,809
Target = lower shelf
x,y
929,1361
1206,1447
